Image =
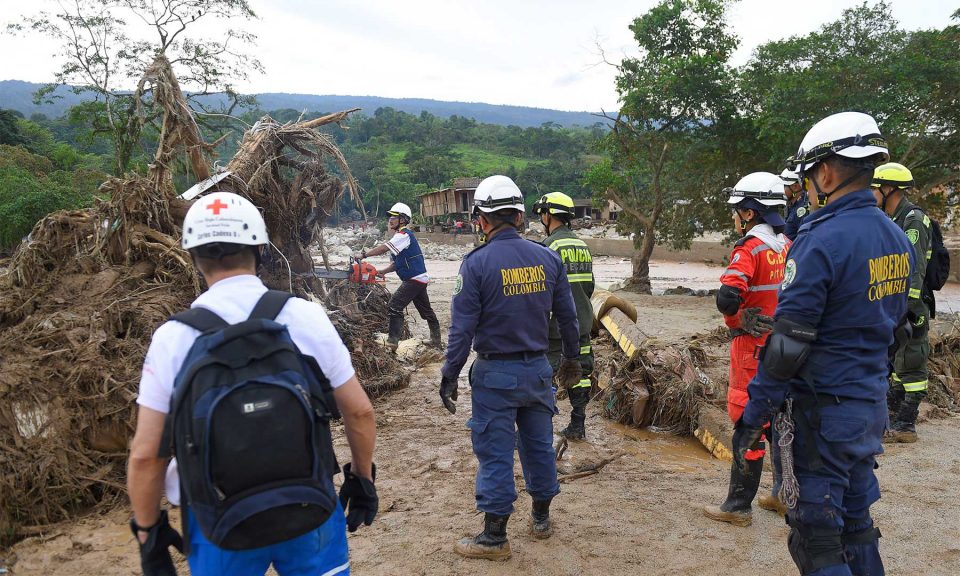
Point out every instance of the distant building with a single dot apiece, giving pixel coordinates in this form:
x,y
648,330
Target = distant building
x,y
455,202
608,211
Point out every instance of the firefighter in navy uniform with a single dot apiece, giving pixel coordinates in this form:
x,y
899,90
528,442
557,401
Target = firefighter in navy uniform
x,y
747,299
824,366
797,205
556,210
503,299
891,182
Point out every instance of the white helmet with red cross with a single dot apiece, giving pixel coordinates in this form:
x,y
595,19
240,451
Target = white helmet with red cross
x,y
223,217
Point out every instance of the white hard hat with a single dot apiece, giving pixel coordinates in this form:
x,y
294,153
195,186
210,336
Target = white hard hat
x,y
847,134
498,193
223,217
764,187
789,176
400,209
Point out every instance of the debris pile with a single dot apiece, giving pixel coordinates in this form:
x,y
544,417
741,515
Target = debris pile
x,y
662,387
944,366
438,251
83,295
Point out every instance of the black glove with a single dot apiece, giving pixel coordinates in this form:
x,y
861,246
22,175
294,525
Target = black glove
x,y
448,393
358,497
744,438
569,372
155,557
755,323
920,324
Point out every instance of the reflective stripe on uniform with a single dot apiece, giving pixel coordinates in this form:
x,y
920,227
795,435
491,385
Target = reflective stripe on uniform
x,y
736,273
582,277
567,242
763,288
585,383
915,386
915,293
586,349
895,377
758,249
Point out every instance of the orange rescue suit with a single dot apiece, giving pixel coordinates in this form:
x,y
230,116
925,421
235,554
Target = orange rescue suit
x,y
756,271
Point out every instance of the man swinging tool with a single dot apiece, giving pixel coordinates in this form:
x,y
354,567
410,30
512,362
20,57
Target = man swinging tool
x,y
406,259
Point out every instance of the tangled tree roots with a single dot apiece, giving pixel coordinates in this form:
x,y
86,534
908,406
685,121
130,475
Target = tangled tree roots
x,y
663,387
78,305
944,365
359,312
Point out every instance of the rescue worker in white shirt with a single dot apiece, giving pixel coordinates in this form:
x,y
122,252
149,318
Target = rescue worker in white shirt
x,y
407,260
229,270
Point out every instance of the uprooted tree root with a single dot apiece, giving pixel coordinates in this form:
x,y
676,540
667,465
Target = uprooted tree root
x,y
83,295
944,366
663,387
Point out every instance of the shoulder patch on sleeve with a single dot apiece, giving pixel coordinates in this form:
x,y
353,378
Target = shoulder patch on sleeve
x,y
913,235
458,284
735,259
802,211
789,273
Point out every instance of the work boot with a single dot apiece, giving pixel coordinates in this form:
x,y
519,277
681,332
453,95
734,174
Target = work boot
x,y
903,429
579,397
736,509
393,336
540,525
772,503
435,337
491,544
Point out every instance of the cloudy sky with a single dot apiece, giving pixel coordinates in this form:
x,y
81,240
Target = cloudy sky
x,y
539,53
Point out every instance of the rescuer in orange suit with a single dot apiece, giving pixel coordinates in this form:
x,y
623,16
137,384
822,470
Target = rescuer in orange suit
x,y
747,299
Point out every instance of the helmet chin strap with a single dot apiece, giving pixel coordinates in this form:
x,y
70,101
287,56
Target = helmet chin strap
x,y
824,197
883,203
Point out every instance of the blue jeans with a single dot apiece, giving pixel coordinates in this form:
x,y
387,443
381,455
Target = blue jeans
x,y
511,398
320,552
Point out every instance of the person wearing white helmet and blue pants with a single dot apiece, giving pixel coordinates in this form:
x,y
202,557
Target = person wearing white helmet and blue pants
x,y
823,371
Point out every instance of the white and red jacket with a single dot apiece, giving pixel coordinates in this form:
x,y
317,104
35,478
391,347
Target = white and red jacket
x,y
756,270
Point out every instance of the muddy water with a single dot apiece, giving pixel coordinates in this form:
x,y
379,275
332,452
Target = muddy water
x,y
677,454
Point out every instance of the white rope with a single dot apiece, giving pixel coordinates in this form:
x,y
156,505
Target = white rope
x,y
789,487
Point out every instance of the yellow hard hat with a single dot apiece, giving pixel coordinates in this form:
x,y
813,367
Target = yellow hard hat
x,y
893,174
557,203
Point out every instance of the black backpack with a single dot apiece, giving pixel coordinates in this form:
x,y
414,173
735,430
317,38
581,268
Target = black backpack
x,y
938,268
249,423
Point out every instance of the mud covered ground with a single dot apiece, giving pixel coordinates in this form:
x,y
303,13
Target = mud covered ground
x,y
639,515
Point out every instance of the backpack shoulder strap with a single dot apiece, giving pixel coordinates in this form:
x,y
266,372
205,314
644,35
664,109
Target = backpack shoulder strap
x,y
201,319
270,305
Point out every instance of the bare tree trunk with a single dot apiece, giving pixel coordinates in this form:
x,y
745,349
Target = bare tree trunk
x,y
640,261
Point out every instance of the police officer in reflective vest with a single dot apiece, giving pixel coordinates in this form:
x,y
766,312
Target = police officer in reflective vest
x,y
825,363
891,182
747,299
503,299
406,258
797,205
556,211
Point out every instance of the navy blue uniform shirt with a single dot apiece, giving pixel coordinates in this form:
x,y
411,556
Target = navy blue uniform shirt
x,y
796,212
847,275
503,298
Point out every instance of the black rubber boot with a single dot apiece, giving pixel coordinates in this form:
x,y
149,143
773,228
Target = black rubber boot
x,y
435,336
579,397
491,544
736,509
895,395
540,524
396,327
903,429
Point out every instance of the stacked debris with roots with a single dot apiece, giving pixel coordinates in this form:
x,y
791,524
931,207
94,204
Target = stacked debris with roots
x,y
944,366
663,387
84,293
359,312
